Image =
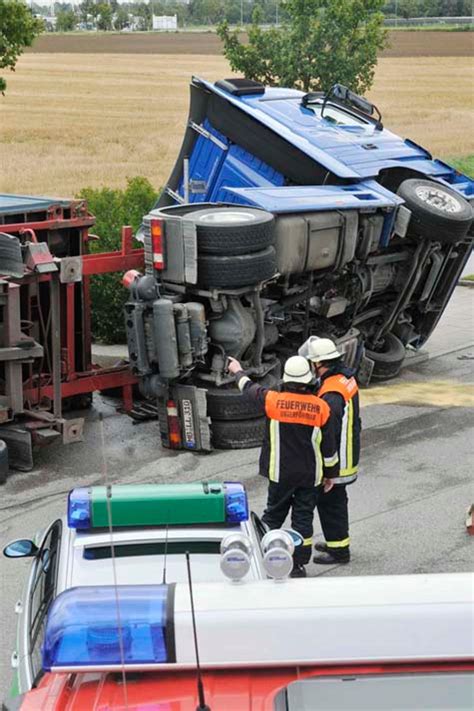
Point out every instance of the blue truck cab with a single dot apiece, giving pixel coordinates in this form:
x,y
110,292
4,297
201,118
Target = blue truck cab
x,y
289,215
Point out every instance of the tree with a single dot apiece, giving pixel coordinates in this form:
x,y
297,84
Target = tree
x,y
65,21
144,15
319,43
409,8
121,19
104,16
87,9
18,29
206,12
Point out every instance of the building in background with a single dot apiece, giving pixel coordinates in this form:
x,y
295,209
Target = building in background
x,y
165,22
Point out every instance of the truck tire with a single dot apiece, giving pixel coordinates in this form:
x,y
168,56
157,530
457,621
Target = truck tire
x,y
228,403
438,214
3,462
235,271
233,230
389,360
238,434
11,263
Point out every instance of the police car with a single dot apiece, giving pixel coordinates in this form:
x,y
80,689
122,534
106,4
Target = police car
x,y
109,619
121,535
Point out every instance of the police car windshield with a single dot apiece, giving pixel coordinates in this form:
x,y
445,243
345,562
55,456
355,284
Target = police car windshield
x,y
129,550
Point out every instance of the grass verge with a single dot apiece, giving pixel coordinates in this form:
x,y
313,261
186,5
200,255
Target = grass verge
x,y
464,165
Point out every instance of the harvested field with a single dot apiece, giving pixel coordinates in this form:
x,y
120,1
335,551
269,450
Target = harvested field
x,y
70,121
401,44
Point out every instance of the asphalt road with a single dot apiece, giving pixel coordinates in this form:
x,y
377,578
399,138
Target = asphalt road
x,y
407,509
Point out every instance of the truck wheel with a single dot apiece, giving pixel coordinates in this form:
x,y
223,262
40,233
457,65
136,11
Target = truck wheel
x,y
3,462
389,360
228,403
238,434
438,213
233,230
235,271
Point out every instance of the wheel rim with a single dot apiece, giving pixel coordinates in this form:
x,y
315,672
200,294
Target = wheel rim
x,y
438,198
229,217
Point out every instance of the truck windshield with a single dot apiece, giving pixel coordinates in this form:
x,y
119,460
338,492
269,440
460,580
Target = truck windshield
x,y
337,116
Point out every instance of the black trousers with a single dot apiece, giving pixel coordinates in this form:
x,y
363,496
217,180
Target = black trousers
x,y
334,517
302,501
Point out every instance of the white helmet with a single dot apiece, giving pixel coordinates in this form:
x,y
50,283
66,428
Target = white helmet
x,y
297,370
321,349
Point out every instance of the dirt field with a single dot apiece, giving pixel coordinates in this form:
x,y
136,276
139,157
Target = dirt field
x,y
70,121
401,44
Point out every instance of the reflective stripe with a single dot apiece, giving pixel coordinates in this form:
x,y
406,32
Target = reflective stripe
x,y
338,544
343,444
308,541
243,381
350,432
316,442
331,461
274,470
345,479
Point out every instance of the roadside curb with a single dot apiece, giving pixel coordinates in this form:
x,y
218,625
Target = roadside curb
x,y
424,356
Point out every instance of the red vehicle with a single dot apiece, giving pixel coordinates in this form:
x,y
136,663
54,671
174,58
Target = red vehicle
x,y
398,642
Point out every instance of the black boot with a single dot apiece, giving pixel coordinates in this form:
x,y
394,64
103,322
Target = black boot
x,y
333,558
299,571
321,547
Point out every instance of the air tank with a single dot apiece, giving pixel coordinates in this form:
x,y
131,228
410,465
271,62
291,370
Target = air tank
x,y
197,326
166,343
185,349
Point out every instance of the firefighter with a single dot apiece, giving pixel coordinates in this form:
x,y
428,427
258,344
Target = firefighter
x,y
299,450
337,387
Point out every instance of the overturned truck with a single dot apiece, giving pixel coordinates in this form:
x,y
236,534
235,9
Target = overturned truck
x,y
287,215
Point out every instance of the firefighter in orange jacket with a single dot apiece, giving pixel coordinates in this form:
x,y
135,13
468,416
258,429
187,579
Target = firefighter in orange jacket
x,y
338,388
299,451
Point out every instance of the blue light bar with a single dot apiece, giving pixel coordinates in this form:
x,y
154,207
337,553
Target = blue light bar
x,y
79,508
87,628
236,504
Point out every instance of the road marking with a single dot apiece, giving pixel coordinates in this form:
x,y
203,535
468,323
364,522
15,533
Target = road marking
x,y
438,393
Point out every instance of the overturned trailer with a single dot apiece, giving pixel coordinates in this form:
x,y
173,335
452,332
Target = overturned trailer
x,y
287,215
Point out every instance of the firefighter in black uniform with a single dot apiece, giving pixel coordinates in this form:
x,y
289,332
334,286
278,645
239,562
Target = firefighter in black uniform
x,y
299,450
338,387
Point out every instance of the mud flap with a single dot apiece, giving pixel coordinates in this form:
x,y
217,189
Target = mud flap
x,y
20,447
364,372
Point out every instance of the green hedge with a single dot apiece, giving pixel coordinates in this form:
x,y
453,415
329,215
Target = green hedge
x,y
113,209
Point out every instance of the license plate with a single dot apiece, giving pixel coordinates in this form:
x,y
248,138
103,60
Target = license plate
x,y
188,424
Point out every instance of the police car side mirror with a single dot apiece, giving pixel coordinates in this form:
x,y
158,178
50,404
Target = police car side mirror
x,y
22,548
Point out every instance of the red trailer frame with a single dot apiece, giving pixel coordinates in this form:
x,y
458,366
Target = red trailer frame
x,y
53,305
